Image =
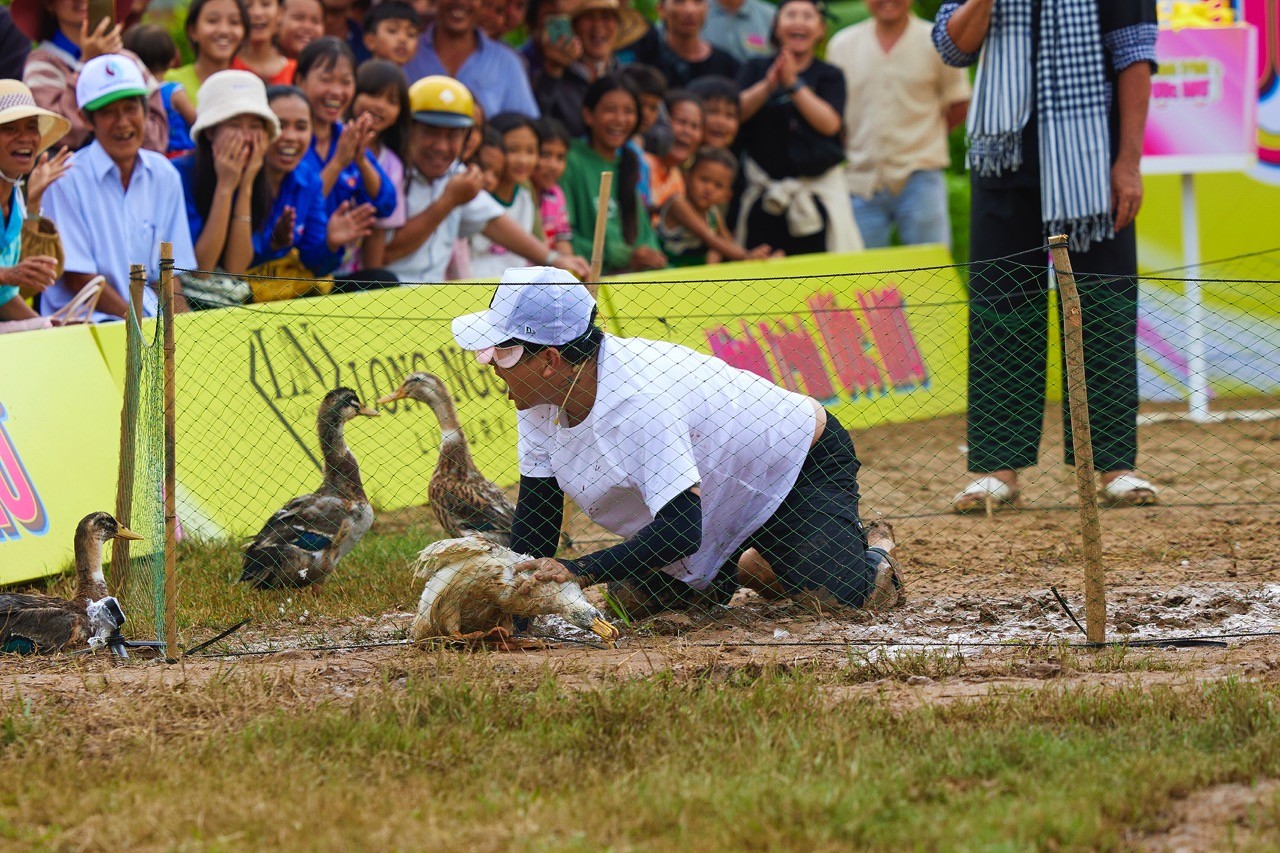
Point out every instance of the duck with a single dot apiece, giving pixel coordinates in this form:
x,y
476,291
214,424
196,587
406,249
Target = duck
x,y
464,500
45,624
302,543
473,591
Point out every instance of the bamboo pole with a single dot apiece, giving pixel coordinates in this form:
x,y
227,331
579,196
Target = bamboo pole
x,y
1095,588
170,475
121,576
597,242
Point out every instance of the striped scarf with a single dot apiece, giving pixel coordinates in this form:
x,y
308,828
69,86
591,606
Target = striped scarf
x,y
1072,105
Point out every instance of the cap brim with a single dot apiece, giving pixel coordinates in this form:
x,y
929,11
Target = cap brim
x,y
436,119
478,331
102,100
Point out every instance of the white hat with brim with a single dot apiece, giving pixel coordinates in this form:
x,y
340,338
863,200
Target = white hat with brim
x,y
537,305
108,78
228,94
16,104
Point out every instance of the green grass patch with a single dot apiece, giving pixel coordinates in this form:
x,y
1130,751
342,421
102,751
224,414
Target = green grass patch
x,y
461,751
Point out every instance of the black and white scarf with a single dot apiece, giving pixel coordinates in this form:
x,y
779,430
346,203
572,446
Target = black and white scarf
x,y
1072,102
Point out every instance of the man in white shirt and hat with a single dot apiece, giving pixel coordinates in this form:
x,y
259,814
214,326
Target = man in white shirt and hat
x,y
690,460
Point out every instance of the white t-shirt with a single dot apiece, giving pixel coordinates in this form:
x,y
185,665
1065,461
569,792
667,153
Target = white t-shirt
x,y
667,418
488,259
427,263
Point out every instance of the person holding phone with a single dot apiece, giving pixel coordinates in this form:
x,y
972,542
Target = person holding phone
x,y
69,35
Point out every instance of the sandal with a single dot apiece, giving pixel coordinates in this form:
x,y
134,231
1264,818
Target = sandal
x,y
1127,490
989,492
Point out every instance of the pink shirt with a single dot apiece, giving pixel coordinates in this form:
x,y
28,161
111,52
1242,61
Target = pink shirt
x,y
555,216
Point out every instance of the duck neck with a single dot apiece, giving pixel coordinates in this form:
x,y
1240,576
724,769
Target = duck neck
x,y
90,582
341,472
455,455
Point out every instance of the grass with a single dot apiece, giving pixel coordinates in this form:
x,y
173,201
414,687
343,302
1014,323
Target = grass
x,y
444,751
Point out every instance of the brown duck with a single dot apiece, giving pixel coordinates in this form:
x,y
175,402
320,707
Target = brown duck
x,y
302,543
45,623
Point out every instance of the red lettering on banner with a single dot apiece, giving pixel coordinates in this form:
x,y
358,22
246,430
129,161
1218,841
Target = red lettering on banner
x,y
899,353
795,352
742,352
19,502
843,336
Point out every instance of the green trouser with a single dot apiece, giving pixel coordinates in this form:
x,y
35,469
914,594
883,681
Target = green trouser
x,y
1008,337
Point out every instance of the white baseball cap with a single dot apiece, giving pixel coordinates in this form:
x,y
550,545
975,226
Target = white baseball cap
x,y
538,305
108,78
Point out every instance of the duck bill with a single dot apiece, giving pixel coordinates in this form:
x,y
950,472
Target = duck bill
x,y
604,630
397,394
126,533
368,412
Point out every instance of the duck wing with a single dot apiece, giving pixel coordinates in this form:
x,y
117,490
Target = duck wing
x,y
47,623
310,523
474,504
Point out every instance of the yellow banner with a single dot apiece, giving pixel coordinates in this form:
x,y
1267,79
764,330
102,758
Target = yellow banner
x,y
59,442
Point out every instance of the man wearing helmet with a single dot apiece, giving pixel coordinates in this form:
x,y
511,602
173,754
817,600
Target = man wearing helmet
x,y
443,198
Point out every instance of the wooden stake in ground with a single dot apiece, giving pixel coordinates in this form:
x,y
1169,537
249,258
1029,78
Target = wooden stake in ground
x,y
597,242
121,577
170,471
1095,588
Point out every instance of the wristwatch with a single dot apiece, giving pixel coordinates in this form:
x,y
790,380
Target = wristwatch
x,y
795,87
551,258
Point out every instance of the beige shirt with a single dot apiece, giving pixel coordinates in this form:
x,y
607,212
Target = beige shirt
x,y
896,111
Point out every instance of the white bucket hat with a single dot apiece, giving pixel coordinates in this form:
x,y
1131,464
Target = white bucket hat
x,y
16,103
108,78
228,94
540,305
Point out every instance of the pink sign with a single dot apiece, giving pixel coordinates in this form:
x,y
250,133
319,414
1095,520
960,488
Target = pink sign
x,y
1203,115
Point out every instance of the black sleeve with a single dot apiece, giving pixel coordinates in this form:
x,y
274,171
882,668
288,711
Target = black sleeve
x,y
829,84
753,71
14,47
539,510
674,533
1117,14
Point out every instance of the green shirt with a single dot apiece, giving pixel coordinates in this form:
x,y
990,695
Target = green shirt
x,y
581,185
186,75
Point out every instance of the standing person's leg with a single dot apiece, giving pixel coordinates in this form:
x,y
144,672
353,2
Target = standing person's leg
x,y
874,218
765,227
815,544
1107,278
921,209
1008,341
653,592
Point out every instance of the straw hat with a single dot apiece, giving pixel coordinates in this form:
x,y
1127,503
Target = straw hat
x,y
228,94
16,104
631,24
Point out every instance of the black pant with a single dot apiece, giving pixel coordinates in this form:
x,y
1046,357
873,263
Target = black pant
x,y
1008,336
813,542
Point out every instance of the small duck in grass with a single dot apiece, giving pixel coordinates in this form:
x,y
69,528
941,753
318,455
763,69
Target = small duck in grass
x,y
302,543
44,623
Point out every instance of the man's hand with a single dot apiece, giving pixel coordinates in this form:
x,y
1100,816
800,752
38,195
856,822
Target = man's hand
x,y
574,264
1126,192
464,186
647,258
32,275
544,570
557,56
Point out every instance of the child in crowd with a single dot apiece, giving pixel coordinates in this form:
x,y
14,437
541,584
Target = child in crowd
x,y
472,144
155,47
520,149
342,21
301,23
382,91
720,108
491,158
326,75
650,85
691,227
611,112
391,31
667,181
216,29
260,53
492,18
553,147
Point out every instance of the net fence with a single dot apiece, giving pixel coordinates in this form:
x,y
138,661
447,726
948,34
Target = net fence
x,y
892,355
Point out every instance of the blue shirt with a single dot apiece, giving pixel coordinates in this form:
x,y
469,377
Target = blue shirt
x,y
350,186
105,227
493,72
11,240
179,131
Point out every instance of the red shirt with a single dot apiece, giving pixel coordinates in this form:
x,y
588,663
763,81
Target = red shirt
x,y
283,78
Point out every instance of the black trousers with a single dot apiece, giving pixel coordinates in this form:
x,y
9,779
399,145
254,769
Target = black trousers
x,y
1008,336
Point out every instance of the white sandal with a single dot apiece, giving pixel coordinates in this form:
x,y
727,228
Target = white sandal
x,y
1127,490
987,492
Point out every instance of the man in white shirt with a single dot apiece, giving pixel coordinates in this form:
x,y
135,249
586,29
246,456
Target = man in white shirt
x,y
903,101
692,460
443,199
118,202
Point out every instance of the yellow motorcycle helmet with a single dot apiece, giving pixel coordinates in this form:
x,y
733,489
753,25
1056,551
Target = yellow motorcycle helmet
x,y
442,101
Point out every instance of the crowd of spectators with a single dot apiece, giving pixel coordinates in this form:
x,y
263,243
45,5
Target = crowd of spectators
x,y
319,146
